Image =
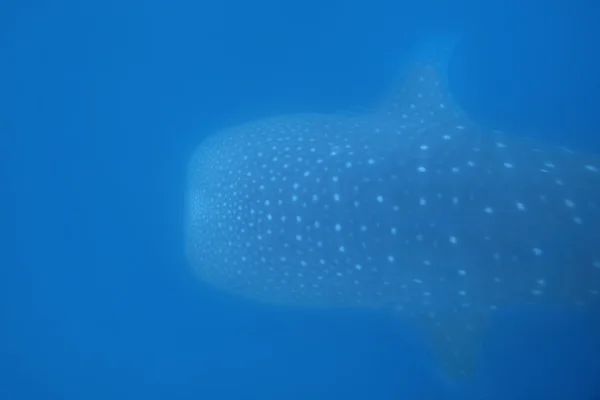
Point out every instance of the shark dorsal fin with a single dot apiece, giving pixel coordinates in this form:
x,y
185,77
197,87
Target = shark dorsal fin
x,y
423,92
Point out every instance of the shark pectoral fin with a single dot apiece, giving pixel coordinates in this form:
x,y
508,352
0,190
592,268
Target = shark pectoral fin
x,y
456,342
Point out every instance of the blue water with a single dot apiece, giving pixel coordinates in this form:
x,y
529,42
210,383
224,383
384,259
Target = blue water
x,y
101,104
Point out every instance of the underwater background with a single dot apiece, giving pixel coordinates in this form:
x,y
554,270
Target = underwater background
x,y
101,105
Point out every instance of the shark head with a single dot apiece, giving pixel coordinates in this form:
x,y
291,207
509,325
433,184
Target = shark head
x,y
412,205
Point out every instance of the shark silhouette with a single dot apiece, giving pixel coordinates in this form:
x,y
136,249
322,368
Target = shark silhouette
x,y
412,205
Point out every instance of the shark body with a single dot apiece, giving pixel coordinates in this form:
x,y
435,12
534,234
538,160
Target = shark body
x,y
412,206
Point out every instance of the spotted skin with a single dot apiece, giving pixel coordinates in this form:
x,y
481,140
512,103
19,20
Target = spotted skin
x,y
412,207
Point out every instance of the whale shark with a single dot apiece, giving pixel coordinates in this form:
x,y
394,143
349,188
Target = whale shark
x,y
412,206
